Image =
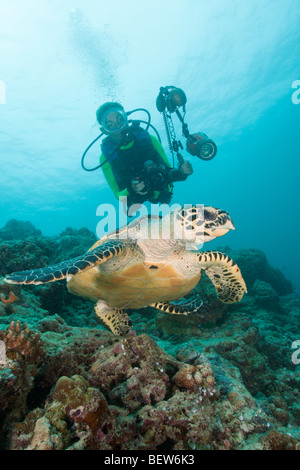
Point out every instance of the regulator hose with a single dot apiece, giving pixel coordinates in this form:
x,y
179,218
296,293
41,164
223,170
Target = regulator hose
x,y
86,151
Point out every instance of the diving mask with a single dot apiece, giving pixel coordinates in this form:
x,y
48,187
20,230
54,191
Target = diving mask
x,y
114,120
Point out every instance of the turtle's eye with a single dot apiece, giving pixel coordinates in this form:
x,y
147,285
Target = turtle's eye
x,y
209,214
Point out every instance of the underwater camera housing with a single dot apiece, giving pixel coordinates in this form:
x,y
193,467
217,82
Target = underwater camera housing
x,y
155,177
171,98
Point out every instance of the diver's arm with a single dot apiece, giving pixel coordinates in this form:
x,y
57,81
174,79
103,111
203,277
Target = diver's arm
x,y
159,155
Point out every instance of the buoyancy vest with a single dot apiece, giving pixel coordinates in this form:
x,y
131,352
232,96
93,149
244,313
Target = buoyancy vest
x,y
127,161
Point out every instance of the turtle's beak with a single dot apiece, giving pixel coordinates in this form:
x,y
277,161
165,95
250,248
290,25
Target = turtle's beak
x,y
223,229
216,223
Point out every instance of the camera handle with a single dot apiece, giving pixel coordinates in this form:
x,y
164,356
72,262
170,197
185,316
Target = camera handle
x,y
175,145
168,101
180,158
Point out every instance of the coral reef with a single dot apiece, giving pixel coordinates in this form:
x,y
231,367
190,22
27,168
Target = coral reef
x,y
221,379
18,369
254,266
18,230
265,295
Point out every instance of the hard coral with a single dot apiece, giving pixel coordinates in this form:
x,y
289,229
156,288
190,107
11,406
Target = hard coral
x,y
21,341
44,437
143,386
73,398
134,372
11,298
156,403
278,441
24,351
17,229
22,255
193,377
254,265
265,296
8,296
76,416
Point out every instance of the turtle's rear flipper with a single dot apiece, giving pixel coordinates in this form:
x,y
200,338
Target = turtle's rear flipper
x,y
224,274
181,306
62,270
115,318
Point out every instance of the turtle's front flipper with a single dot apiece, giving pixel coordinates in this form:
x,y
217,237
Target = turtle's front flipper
x,y
62,270
224,274
115,318
180,307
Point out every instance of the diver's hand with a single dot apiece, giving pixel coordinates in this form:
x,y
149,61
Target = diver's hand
x,y
186,168
138,187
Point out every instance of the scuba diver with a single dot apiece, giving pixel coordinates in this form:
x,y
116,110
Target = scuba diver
x,y
133,161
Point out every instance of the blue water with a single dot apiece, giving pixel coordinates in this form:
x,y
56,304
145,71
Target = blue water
x,y
235,60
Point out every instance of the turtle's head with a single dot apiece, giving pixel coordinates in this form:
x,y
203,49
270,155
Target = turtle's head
x,y
199,224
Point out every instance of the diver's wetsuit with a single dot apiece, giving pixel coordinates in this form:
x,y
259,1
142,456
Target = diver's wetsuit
x,y
127,163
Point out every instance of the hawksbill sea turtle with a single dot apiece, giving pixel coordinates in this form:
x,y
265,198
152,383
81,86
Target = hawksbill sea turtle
x,y
131,269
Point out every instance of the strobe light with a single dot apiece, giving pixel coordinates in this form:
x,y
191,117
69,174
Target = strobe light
x,y
201,146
